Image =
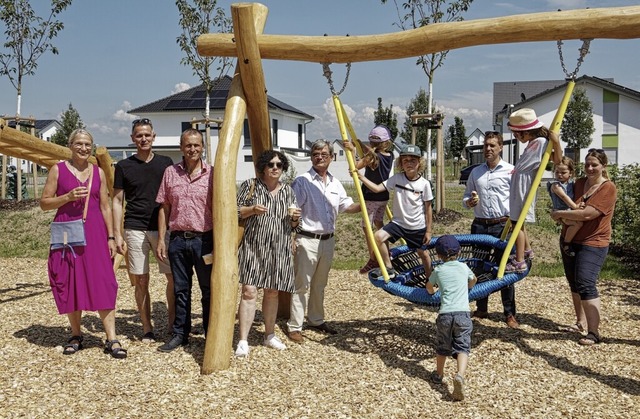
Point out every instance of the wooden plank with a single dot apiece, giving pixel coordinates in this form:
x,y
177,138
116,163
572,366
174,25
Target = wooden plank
x,y
612,23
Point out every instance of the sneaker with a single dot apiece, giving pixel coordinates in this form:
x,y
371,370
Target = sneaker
x,y
371,264
243,349
176,340
378,273
437,379
514,266
272,341
458,387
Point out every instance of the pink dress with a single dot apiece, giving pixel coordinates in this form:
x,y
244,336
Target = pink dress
x,y
82,279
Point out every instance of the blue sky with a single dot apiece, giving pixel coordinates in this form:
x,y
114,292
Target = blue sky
x,y
119,54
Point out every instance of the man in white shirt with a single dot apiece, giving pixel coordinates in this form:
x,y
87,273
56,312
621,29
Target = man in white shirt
x,y
487,192
321,197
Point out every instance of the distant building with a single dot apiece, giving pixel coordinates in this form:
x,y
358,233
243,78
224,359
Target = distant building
x,y
173,114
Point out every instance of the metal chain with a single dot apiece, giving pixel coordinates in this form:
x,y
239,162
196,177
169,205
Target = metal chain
x,y
584,50
326,70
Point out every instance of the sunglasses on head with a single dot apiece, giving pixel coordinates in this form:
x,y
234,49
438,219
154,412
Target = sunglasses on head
x,y
275,164
142,121
597,150
491,133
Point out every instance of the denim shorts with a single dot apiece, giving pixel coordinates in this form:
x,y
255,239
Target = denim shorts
x,y
583,269
453,333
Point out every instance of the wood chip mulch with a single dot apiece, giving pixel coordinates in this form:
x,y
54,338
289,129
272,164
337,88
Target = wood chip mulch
x,y
377,366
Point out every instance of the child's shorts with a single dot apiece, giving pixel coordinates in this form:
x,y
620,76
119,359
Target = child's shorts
x,y
453,333
413,238
375,211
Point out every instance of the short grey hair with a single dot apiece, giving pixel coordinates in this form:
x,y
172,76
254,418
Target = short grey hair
x,y
320,144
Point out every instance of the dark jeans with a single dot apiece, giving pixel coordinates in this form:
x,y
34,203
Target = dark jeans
x,y
185,255
508,294
583,269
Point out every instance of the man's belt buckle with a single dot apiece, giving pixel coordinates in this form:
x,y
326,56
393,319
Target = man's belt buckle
x,y
189,234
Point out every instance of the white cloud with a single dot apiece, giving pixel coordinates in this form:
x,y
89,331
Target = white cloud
x,y
180,87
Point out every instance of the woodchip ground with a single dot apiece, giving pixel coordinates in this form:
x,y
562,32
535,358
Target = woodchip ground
x,y
377,366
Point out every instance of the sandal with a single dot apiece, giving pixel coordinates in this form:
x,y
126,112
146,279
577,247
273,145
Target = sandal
x,y
590,339
71,348
118,353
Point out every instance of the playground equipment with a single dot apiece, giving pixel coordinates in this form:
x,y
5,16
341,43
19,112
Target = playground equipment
x,y
248,91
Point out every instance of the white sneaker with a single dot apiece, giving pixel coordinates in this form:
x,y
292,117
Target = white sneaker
x,y
243,349
272,341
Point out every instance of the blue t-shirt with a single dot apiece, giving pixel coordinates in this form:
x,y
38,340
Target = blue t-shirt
x,y
452,279
559,204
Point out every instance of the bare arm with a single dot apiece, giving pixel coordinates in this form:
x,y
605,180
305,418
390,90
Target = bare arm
x,y
556,154
584,214
428,217
370,185
105,209
430,289
472,282
163,215
117,209
558,190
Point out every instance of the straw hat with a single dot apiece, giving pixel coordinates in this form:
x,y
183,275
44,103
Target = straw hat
x,y
523,120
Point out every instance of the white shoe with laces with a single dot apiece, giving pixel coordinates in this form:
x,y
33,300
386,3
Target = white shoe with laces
x,y
272,341
242,349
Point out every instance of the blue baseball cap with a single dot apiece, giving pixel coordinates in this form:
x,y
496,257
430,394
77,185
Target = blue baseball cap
x,y
447,245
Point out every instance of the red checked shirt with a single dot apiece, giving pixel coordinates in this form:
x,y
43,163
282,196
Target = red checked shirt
x,y
190,199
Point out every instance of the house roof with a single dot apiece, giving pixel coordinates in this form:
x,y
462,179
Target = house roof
x,y
39,125
607,84
194,99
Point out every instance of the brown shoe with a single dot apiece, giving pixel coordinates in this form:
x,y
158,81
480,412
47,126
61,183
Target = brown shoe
x,y
480,314
296,336
512,322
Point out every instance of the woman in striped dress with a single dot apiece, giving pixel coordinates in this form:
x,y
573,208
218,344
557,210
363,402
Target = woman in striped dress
x,y
265,255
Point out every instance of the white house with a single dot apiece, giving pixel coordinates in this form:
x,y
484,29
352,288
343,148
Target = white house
x,y
173,114
616,116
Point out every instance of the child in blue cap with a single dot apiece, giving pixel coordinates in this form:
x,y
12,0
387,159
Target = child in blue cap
x,y
453,325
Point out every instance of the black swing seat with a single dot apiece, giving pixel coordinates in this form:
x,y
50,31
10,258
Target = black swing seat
x,y
481,252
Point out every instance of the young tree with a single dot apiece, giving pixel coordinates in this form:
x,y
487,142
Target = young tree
x,y
199,17
413,14
458,138
419,105
386,116
70,120
27,38
577,126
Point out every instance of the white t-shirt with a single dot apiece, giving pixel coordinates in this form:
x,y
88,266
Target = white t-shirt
x,y
409,200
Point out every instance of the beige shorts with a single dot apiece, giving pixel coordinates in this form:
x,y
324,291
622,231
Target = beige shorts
x,y
139,245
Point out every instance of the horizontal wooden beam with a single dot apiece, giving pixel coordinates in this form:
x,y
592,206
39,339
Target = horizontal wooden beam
x,y
612,23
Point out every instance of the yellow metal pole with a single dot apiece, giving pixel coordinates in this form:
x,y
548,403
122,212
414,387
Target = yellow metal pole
x,y
555,127
343,122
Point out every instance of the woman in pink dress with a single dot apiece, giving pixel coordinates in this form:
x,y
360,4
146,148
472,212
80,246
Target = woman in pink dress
x,y
82,277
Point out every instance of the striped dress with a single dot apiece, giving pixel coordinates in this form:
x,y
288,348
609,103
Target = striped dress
x,y
265,258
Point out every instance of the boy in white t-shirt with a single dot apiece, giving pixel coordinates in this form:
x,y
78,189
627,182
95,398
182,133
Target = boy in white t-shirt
x,y
412,212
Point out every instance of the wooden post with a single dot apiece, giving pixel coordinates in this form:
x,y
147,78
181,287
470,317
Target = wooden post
x,y
224,278
34,168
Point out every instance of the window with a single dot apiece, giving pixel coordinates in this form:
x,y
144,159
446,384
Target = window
x,y
248,158
610,112
612,155
274,127
247,134
300,127
185,126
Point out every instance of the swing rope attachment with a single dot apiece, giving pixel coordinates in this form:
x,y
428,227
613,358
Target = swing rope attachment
x,y
584,50
326,71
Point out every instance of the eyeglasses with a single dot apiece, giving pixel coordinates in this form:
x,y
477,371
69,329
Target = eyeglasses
x,y
82,145
597,150
142,121
272,164
321,155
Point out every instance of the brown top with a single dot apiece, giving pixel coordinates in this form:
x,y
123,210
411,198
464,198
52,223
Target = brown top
x,y
596,232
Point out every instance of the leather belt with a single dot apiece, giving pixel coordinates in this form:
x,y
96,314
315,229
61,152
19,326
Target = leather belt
x,y
189,234
490,221
315,236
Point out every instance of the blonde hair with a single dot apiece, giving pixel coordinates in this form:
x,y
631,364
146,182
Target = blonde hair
x,y
371,158
398,165
76,132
